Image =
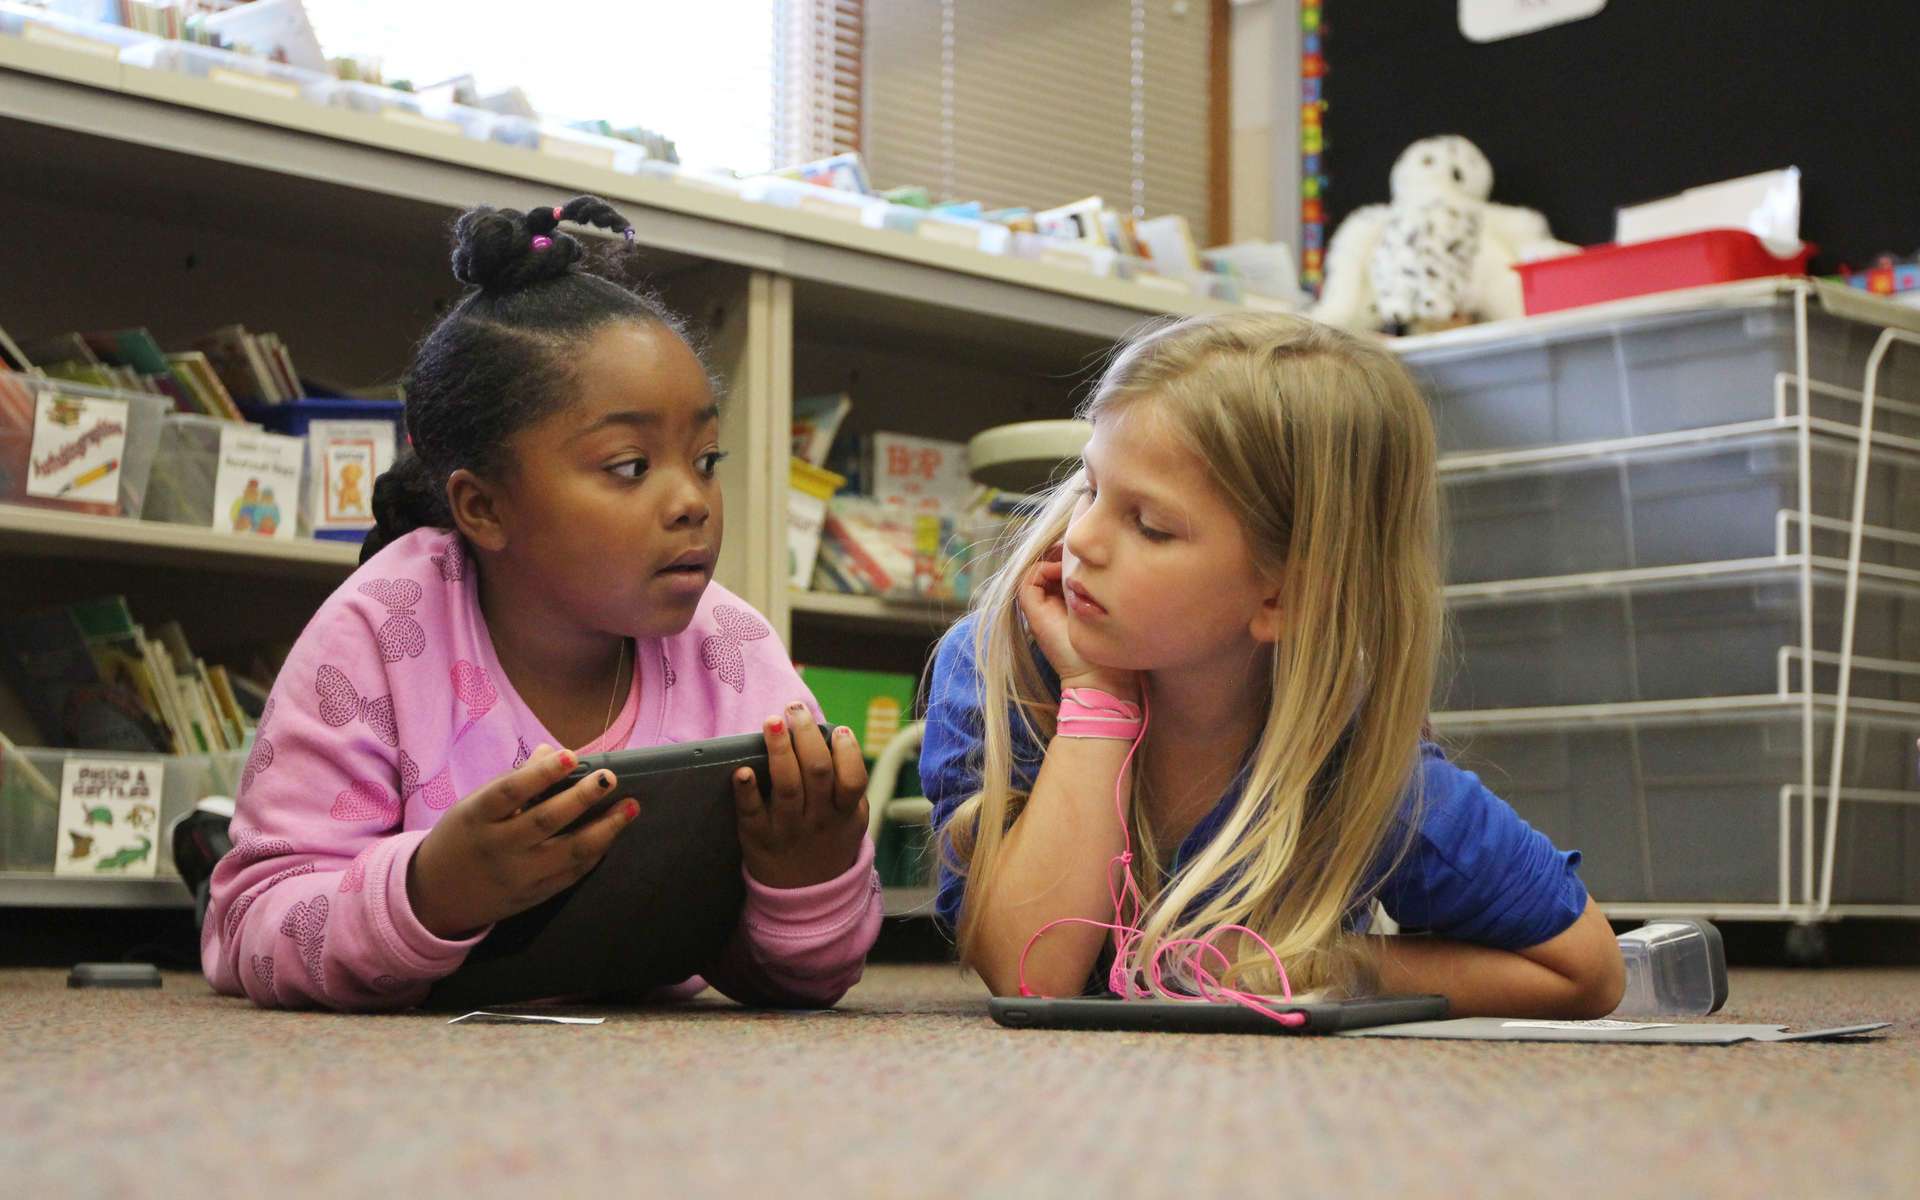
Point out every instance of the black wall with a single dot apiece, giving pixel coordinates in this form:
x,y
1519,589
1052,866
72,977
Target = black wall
x,y
1643,100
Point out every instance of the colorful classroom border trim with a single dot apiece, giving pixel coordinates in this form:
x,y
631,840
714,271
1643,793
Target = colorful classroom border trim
x,y
1313,140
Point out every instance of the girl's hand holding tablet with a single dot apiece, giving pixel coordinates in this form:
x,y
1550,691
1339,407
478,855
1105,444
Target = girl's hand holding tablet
x,y
809,829
493,856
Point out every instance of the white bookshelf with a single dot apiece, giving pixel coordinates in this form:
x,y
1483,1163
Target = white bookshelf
x,y
144,198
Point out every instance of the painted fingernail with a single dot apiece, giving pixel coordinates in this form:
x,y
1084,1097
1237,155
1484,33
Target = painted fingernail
x,y
606,780
777,725
796,709
631,808
569,760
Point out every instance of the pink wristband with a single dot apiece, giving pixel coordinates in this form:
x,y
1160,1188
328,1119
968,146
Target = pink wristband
x,y
1090,713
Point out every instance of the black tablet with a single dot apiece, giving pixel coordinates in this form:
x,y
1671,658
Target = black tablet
x,y
1180,1016
680,774
674,873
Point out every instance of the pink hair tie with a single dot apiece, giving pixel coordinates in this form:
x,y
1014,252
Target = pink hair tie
x,y
542,242
558,213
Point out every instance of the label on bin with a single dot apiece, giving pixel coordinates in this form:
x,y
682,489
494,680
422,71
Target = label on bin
x,y
257,487
78,443
343,460
109,817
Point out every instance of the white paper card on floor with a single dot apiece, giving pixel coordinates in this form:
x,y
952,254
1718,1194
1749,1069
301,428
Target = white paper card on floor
x,y
494,1018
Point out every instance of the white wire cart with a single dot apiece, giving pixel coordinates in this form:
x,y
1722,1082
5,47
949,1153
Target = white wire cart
x,y
1684,593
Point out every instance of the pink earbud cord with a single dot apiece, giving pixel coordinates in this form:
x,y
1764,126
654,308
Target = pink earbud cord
x,y
1194,954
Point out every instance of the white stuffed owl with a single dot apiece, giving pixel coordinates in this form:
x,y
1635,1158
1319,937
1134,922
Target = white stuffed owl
x,y
1439,255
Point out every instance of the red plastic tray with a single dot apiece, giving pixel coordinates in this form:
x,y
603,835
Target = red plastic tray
x,y
1612,272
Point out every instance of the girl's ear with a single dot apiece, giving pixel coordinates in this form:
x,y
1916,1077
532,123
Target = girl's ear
x,y
1266,625
475,507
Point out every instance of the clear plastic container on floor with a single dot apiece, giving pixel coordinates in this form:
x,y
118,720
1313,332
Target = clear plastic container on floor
x,y
1675,968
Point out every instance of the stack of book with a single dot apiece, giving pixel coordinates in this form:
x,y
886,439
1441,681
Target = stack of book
x,y
898,526
91,678
225,368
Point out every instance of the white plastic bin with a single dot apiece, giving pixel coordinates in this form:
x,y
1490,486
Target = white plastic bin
x,y
1689,813
1685,370
1675,641
1706,501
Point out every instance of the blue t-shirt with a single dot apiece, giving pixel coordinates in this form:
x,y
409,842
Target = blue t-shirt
x,y
1474,872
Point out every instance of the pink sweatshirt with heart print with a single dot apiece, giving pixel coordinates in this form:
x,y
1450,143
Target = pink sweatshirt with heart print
x,y
390,708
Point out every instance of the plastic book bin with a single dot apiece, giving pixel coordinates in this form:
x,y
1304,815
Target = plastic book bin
x,y
1613,272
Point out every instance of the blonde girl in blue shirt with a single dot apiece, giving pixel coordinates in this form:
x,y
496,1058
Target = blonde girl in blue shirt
x,y
1251,553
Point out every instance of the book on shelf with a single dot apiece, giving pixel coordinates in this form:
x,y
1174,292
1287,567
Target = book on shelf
x,y
91,678
816,422
12,357
52,669
60,348
253,369
96,374
917,474
210,396
131,348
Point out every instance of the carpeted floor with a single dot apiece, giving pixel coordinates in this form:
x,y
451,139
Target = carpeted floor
x,y
908,1089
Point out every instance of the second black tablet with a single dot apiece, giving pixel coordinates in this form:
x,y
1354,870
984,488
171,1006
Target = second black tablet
x,y
1178,1016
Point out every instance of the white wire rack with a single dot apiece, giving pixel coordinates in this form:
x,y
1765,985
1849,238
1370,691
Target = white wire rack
x,y
1834,728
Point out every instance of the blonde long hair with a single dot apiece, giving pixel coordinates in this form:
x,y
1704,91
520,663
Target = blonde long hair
x,y
1323,446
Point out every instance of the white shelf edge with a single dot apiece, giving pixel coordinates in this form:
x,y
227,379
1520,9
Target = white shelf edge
x,y
33,889
41,528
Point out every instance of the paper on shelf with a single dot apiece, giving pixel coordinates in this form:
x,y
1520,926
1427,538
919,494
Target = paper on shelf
x,y
1766,205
